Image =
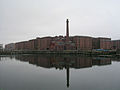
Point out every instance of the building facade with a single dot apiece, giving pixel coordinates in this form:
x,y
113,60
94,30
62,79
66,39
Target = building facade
x,y
59,43
10,46
101,43
82,42
116,44
56,43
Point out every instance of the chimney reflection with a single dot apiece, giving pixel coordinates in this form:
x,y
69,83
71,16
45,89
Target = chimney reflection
x,y
67,73
67,62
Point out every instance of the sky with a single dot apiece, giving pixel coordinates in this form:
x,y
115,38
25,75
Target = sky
x,y
22,20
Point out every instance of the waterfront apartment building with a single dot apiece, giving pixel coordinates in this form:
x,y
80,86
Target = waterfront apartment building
x,y
82,42
48,43
116,44
59,43
44,43
101,43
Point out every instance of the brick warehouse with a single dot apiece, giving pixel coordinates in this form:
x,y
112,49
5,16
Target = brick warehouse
x,y
67,42
101,43
48,43
82,42
116,44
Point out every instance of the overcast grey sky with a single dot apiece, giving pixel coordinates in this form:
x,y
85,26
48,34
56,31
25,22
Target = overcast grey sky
x,y
27,19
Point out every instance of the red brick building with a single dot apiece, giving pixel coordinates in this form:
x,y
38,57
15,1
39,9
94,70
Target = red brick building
x,y
57,43
19,46
44,43
116,44
101,43
25,45
67,42
31,44
82,42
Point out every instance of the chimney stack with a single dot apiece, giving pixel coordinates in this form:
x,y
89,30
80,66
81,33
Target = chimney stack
x,y
67,30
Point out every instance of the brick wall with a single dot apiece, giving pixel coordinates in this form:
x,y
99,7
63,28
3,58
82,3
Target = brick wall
x,y
82,42
101,43
115,44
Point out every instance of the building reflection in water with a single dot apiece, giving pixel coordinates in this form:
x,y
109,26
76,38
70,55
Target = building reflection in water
x,y
67,62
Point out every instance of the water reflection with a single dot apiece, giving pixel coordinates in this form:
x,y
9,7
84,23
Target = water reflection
x,y
61,62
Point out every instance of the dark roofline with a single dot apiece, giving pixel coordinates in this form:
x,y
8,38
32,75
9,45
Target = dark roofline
x,y
82,36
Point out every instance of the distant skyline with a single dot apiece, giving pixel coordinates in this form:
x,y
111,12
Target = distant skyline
x,y
22,20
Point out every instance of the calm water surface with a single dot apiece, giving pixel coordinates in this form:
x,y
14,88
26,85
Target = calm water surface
x,y
43,72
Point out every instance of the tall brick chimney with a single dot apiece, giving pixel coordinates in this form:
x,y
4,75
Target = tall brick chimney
x,y
67,30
